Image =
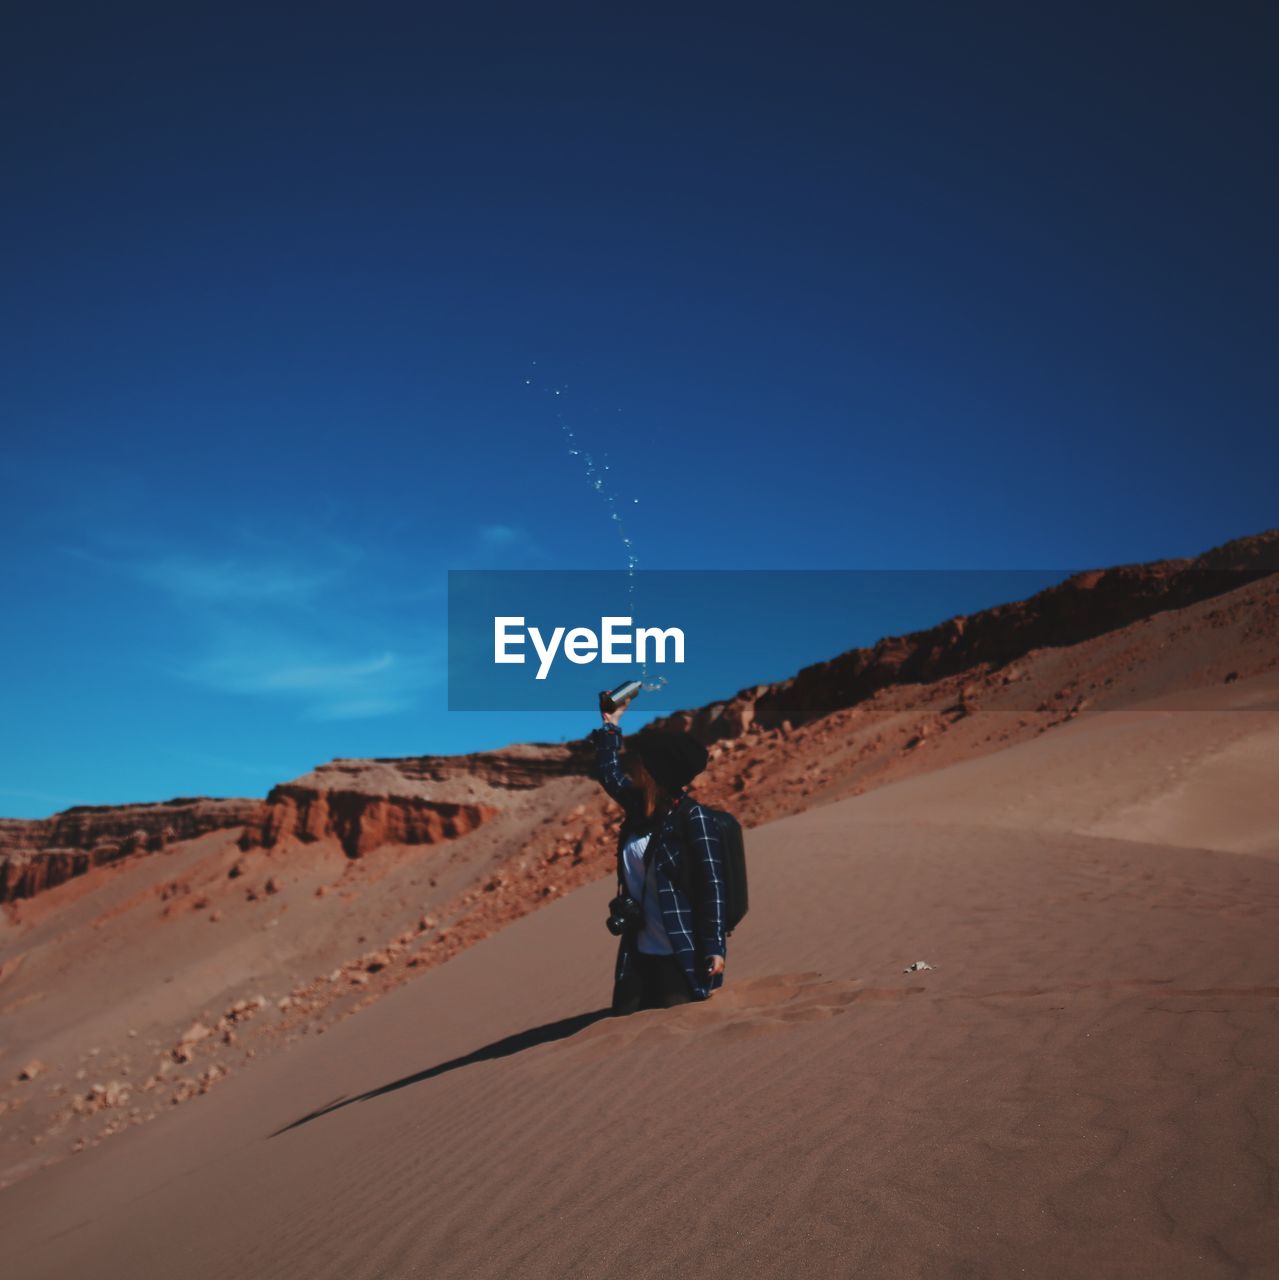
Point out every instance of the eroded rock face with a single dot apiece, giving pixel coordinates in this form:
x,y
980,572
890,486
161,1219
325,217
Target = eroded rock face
x,y
39,854
1086,605
410,800
362,803
361,822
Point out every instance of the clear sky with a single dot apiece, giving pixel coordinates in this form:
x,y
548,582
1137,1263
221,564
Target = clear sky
x,y
289,291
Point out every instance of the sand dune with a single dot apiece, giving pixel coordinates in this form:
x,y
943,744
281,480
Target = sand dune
x,y
1083,1085
1196,768
149,952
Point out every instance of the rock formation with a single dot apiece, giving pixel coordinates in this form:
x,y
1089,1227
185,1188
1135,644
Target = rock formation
x,y
38,854
1085,605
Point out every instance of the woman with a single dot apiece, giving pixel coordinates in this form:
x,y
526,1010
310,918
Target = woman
x,y
678,954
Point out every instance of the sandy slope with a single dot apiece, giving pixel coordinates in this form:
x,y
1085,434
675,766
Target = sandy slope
x,y
1083,1086
1196,768
253,940
101,975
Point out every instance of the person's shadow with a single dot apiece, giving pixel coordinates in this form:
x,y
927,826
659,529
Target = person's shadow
x,y
498,1049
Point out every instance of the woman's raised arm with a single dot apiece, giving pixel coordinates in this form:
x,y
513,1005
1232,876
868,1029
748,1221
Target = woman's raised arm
x,y
607,740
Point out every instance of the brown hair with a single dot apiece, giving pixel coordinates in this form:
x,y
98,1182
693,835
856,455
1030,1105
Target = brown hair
x,y
656,796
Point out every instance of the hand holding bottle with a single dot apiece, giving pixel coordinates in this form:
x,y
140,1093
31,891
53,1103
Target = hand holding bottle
x,y
614,701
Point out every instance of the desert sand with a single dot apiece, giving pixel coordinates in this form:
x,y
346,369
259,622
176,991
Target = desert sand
x,y
1083,1084
358,1027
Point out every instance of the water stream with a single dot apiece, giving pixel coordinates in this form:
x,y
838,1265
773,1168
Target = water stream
x,y
597,478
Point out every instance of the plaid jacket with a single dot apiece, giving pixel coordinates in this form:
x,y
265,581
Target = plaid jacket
x,y
693,940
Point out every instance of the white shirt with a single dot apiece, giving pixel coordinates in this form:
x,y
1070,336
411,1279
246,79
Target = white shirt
x,y
652,939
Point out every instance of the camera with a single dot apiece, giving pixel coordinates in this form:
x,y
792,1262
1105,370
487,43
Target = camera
x,y
625,915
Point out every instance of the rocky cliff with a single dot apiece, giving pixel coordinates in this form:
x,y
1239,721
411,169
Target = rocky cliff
x,y
360,821
38,854
1084,606
414,800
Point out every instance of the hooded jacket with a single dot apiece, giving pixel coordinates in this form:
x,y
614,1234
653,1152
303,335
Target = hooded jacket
x,y
695,934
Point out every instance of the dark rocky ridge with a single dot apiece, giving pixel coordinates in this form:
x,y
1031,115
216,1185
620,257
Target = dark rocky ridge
x,y
1084,606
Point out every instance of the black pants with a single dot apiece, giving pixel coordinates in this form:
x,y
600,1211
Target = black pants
x,y
651,982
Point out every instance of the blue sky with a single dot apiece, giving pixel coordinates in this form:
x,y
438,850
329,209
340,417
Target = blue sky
x,y
289,294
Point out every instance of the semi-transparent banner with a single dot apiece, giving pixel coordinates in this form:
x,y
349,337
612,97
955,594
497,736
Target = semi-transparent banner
x,y
532,640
